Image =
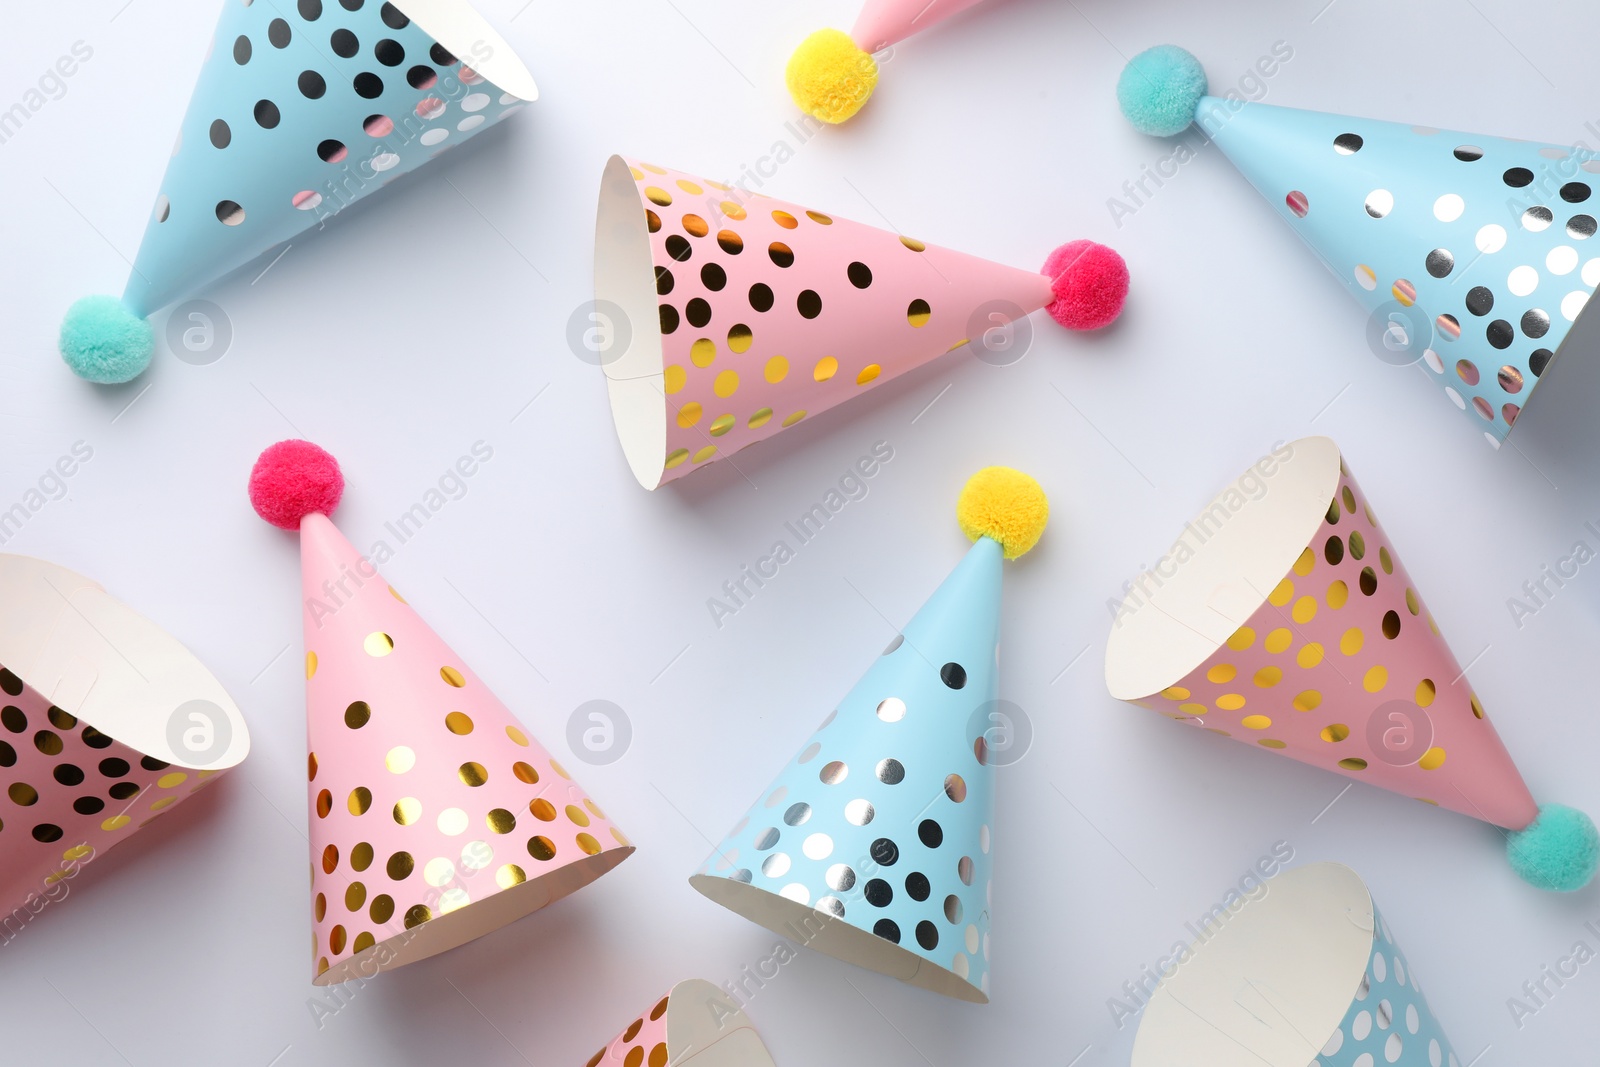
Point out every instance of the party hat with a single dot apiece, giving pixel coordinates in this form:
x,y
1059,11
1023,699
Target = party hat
x,y
694,1025
1283,617
435,818
107,722
873,844
1302,970
737,316
832,74
1472,252
300,111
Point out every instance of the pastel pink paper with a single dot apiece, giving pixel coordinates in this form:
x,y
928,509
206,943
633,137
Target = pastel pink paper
x,y
409,699
885,22
1477,778
33,872
646,1033
857,327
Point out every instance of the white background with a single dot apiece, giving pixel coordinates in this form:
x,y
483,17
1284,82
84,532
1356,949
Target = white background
x,y
429,318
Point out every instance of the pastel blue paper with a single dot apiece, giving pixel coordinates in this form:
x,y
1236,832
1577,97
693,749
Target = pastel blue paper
x,y
936,738
1284,151
264,170
1389,1021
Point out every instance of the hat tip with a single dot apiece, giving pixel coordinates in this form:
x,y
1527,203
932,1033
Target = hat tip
x,y
1090,283
830,77
1006,506
1160,89
1559,850
293,479
104,341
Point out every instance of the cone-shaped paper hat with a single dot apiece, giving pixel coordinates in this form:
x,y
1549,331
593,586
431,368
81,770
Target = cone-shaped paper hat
x,y
1472,252
873,844
301,110
694,1025
738,315
435,817
1283,617
1302,970
832,74
107,722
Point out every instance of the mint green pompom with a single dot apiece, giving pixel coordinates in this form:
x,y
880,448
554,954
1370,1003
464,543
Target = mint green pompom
x,y
102,341
1559,850
1160,89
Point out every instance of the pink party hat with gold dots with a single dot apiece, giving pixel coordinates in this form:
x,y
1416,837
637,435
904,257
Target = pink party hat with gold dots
x,y
435,817
1283,618
729,317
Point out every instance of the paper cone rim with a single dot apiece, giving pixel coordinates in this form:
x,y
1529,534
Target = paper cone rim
x,y
1584,331
699,1031
478,919
836,937
125,676
464,33
624,276
1301,883
1287,514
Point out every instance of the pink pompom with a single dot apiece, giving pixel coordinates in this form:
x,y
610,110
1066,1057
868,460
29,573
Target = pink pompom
x,y
1090,282
291,480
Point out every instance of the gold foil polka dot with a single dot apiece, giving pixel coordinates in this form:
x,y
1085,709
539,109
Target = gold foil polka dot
x,y
473,774
588,844
311,664
458,722
740,338
355,896
542,810
400,759
913,244
1335,733
357,715
541,848
452,676
1353,763
382,909
407,810
760,418
400,866
577,815
675,378
361,856
918,313
378,644
868,373
658,196
418,914
1242,638
794,418
510,875
517,736
1309,700
501,821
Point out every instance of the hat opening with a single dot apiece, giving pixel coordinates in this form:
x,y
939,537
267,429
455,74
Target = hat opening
x,y
108,667
1271,978
706,1027
484,916
465,34
625,279
834,936
1222,568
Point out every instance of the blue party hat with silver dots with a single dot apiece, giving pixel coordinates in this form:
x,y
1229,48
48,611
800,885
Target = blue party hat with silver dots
x,y
1474,254
873,845
301,110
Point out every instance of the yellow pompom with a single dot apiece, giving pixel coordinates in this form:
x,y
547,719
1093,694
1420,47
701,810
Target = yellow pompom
x,y
829,77
1004,505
